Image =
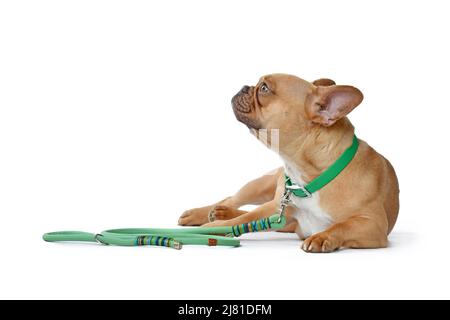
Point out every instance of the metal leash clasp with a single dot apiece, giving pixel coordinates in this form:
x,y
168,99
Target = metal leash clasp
x,y
285,201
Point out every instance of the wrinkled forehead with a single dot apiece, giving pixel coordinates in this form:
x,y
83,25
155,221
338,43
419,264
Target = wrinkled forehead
x,y
287,85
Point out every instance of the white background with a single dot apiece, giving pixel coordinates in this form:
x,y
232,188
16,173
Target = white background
x,y
117,114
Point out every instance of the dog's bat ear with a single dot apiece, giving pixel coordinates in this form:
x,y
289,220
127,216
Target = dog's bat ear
x,y
326,105
324,82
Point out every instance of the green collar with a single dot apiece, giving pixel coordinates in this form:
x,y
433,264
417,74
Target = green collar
x,y
327,176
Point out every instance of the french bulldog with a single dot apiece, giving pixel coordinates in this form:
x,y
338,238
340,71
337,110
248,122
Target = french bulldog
x,y
357,209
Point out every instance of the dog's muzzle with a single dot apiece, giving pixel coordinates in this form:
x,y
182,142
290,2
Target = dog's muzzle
x,y
243,108
242,100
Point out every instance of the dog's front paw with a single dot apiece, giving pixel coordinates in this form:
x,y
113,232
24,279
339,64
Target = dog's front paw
x,y
193,217
320,243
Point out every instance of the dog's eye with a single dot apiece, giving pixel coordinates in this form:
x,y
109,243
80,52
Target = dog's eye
x,y
264,88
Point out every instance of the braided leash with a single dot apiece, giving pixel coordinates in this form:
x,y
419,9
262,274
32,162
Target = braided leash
x,y
254,226
173,238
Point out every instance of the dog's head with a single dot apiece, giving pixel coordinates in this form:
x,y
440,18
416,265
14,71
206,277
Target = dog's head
x,y
292,105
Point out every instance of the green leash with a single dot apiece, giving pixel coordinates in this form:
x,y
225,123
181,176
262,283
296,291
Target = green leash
x,y
173,238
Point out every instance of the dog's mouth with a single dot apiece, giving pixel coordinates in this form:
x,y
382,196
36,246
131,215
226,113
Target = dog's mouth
x,y
244,111
249,122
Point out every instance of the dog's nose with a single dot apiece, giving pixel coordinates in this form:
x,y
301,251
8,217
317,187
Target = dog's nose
x,y
245,89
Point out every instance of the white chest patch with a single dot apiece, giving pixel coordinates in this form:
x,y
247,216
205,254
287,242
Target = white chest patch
x,y
310,216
